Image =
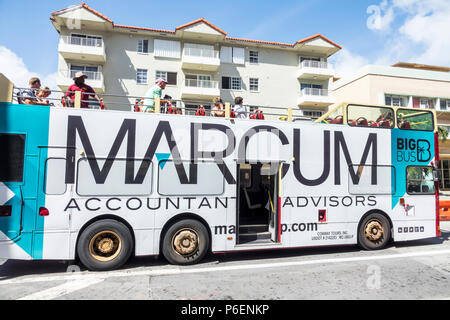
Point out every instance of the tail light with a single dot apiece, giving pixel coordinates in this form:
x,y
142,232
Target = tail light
x,y
438,218
43,212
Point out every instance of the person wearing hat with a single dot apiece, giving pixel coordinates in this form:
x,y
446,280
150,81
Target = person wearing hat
x,y
29,96
154,92
80,85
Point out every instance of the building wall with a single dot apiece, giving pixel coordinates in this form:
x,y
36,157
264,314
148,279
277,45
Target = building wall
x,y
276,71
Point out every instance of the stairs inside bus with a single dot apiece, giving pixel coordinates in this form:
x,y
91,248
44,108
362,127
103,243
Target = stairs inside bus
x,y
258,234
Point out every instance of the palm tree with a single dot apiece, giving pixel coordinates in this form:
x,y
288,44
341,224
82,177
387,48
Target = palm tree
x,y
442,133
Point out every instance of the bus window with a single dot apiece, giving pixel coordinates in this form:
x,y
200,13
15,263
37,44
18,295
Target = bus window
x,y
55,176
415,120
12,147
115,183
210,180
420,180
373,117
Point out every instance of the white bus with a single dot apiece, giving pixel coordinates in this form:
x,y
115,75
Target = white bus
x,y
102,186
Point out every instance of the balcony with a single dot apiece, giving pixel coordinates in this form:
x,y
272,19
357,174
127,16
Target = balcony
x,y
95,80
82,49
200,89
200,59
313,97
316,70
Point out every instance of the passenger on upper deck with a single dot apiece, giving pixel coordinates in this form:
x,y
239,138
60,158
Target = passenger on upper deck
x,y
218,110
87,91
29,96
154,92
42,94
239,109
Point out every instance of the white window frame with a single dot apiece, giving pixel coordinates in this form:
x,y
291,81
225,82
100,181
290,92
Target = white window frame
x,y
89,35
250,57
137,76
257,84
423,105
141,41
169,49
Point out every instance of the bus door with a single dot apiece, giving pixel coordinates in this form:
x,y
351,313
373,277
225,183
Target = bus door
x,y
52,163
12,201
258,220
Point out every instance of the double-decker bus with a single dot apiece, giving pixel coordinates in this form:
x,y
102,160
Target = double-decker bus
x,y
102,186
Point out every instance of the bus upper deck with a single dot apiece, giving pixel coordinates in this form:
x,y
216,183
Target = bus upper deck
x,y
102,185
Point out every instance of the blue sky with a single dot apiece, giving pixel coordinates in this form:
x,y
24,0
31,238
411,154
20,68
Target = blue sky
x,y
370,31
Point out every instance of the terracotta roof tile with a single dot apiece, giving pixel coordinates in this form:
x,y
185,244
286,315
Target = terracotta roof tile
x,y
84,5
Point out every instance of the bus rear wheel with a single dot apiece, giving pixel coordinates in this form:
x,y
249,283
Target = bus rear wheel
x,y
105,245
185,243
374,232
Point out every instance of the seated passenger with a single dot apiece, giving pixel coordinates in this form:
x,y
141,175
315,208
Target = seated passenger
x,y
218,110
42,94
29,96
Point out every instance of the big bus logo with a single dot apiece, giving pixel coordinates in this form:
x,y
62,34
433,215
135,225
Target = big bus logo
x,y
412,150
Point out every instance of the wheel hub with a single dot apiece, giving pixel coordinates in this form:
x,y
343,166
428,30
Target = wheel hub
x,y
374,231
105,246
186,242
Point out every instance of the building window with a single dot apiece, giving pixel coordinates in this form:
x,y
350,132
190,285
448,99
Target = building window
x,y
254,84
254,56
85,40
141,76
143,46
312,114
92,72
167,49
170,77
396,101
445,105
423,103
232,55
444,166
233,83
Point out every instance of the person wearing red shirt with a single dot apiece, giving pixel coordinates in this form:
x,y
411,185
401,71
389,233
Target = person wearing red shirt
x,y
86,90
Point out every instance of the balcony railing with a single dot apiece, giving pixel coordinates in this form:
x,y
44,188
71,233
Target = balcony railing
x,y
315,64
208,84
199,52
85,42
315,92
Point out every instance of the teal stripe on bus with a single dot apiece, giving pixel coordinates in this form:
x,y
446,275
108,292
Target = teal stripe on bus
x,y
32,121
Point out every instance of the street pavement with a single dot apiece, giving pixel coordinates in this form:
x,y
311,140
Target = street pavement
x,y
417,270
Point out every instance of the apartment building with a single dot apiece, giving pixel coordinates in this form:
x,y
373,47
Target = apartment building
x,y
198,59
403,84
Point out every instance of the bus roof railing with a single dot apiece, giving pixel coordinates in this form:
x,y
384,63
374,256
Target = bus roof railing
x,y
284,114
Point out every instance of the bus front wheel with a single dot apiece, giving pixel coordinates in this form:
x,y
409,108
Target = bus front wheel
x,y
105,245
185,243
374,232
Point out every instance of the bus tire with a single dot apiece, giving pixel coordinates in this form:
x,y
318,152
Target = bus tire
x,y
185,243
105,245
374,232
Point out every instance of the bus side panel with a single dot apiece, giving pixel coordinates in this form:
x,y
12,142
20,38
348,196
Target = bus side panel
x,y
33,123
416,219
331,193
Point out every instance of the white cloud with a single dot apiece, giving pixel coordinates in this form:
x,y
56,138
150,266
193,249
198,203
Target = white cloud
x,y
346,63
14,68
412,30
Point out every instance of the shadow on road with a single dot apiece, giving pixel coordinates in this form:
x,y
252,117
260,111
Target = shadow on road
x,y
13,269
